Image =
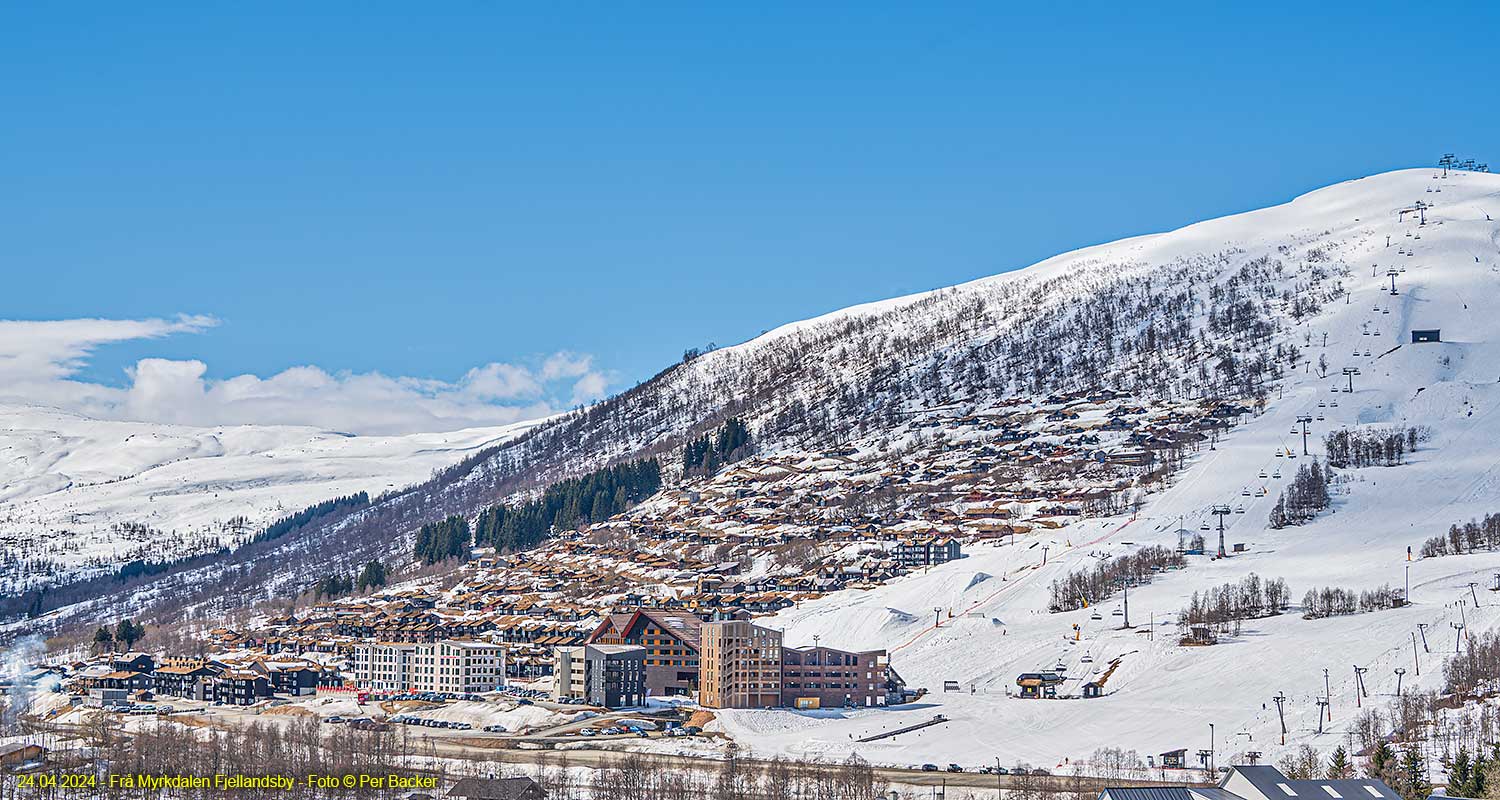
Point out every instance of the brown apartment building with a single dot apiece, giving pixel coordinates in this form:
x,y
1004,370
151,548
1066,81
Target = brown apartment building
x,y
821,677
740,665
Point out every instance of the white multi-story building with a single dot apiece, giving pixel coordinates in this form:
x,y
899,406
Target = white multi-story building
x,y
567,670
453,665
383,666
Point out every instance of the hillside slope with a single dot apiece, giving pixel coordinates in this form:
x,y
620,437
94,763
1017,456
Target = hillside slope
x,y
1163,695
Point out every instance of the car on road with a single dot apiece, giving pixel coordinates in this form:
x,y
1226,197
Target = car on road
x,y
955,768
929,768
588,732
494,729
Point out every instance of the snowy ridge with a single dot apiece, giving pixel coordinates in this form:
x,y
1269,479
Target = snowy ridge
x,y
79,494
1163,695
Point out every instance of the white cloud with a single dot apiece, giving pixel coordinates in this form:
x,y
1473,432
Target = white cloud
x,y
40,361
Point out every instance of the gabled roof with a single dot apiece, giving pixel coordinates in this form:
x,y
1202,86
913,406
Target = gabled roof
x,y
1267,783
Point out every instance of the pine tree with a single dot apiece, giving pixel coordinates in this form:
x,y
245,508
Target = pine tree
x,y
1411,779
103,639
1339,767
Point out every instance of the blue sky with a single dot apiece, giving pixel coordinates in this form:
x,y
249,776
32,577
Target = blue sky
x,y
419,191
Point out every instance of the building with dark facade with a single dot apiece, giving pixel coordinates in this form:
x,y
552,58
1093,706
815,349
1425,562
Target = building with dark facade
x,y
614,675
927,551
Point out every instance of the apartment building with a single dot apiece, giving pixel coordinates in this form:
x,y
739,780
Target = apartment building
x,y
382,666
739,666
823,677
452,665
567,672
671,639
615,675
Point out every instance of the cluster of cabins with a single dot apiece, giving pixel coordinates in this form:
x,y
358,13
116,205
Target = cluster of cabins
x,y
121,679
698,554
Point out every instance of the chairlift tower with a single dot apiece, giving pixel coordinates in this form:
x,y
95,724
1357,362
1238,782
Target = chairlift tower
x,y
1322,704
1392,273
1400,671
1359,684
1350,372
1304,421
1221,511
1280,701
1458,635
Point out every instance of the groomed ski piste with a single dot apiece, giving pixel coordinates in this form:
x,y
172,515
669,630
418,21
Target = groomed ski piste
x,y
1164,696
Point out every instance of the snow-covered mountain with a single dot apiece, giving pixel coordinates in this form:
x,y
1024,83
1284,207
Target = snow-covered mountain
x,y
80,495
1163,695
1267,308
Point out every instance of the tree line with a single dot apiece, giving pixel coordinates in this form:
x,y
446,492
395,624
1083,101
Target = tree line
x,y
371,576
594,497
291,522
1304,498
1082,588
1224,608
1381,447
1469,537
1331,601
703,456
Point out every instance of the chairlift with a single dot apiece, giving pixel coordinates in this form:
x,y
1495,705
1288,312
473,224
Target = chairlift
x,y
1262,473
1290,454
1096,616
1320,417
1261,492
1244,493
1117,613
1276,474
1204,527
1322,404
1239,509
1278,454
1376,333
1060,668
1087,659
1334,404
1367,352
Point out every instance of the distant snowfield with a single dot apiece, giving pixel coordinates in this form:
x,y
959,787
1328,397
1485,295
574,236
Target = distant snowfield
x,y
66,480
1163,696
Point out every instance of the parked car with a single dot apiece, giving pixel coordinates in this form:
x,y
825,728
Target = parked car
x,y
929,768
334,720
588,732
955,768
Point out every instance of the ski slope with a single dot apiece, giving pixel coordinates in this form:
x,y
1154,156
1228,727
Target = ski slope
x,y
1164,696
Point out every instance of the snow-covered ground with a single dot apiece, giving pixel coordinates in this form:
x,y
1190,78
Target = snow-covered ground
x,y
69,483
1164,696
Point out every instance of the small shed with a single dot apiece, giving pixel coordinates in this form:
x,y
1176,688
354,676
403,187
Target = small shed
x,y
17,753
1174,759
1426,335
1092,689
